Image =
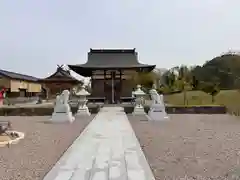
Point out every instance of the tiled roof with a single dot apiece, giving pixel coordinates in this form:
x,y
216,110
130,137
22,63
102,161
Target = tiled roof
x,y
13,75
60,75
110,59
117,58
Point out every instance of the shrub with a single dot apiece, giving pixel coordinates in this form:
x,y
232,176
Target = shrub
x,y
211,89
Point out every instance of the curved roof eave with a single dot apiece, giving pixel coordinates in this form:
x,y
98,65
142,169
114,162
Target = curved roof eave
x,y
87,71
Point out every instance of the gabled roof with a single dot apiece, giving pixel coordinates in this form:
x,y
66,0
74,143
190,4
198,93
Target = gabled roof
x,y
118,58
108,59
60,75
17,76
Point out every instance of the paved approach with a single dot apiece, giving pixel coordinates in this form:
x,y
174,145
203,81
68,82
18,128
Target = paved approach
x,y
106,150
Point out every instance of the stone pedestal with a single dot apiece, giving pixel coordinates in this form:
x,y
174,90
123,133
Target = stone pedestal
x,y
139,111
83,111
157,112
62,117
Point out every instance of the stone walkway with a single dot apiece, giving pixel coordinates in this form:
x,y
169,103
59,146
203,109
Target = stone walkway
x,y
106,150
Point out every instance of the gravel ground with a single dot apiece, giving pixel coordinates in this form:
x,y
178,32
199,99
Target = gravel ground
x,y
191,146
43,145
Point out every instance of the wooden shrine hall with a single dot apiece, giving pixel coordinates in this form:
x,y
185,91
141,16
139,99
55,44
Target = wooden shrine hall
x,y
60,80
111,72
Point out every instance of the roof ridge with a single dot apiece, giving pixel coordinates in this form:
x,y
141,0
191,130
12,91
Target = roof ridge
x,y
63,73
14,75
129,50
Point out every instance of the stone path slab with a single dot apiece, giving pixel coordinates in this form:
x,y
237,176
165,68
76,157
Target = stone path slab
x,y
106,150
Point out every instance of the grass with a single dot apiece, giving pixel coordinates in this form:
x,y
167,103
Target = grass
x,y
229,98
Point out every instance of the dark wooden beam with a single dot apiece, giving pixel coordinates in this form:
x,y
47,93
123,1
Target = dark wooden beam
x,y
105,85
120,83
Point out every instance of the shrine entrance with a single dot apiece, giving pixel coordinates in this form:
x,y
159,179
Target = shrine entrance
x,y
112,87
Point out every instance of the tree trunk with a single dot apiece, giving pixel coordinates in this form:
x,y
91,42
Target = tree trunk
x,y
184,92
184,96
213,99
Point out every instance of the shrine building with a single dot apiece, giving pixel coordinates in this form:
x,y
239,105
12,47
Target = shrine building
x,y
60,80
111,72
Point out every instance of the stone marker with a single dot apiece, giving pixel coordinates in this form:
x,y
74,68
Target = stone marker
x,y
157,109
62,111
82,107
139,94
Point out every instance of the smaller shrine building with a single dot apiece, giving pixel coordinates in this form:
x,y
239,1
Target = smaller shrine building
x,y
60,80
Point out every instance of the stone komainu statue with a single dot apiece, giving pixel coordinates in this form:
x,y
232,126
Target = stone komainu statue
x,y
156,98
62,101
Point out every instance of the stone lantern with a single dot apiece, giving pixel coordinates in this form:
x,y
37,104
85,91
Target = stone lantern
x,y
82,101
139,94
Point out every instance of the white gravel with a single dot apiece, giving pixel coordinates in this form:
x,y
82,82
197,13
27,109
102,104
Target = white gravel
x,y
191,146
43,145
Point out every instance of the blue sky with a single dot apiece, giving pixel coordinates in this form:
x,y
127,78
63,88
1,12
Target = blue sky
x,y
35,35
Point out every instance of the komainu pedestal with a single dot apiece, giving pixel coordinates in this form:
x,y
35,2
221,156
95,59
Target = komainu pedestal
x,y
157,112
62,111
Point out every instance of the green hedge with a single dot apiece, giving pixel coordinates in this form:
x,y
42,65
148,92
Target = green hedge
x,y
128,109
39,111
94,108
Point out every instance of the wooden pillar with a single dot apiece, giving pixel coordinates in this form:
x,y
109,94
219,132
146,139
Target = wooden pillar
x,y
104,76
92,86
48,91
112,88
120,93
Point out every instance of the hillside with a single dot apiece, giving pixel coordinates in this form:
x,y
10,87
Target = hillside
x,y
224,70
